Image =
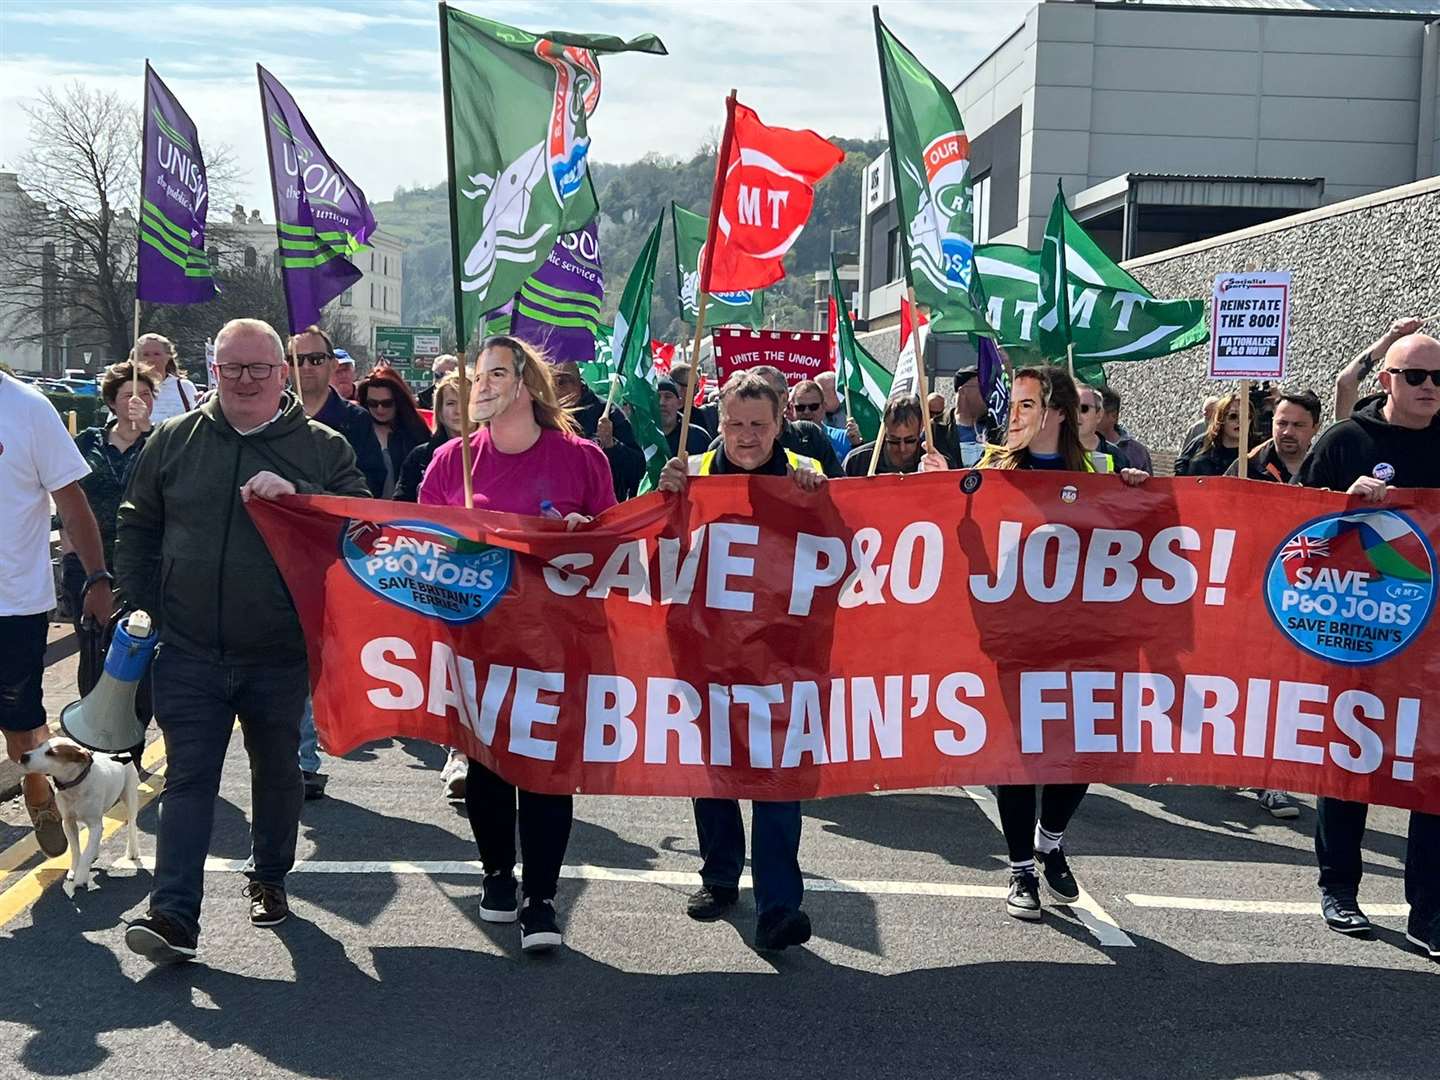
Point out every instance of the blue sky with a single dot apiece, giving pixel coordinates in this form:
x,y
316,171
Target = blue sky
x,y
367,72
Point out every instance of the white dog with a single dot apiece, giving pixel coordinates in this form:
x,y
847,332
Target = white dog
x,y
86,785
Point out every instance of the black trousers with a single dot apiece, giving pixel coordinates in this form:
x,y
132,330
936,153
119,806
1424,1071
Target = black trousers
x,y
544,829
1058,803
1339,832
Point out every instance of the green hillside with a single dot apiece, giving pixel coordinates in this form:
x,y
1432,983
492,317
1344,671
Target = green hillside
x,y
631,197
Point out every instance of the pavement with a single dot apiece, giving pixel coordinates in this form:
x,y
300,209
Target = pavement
x,y
1197,952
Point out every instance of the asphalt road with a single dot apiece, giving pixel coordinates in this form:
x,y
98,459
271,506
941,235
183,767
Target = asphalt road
x,y
385,970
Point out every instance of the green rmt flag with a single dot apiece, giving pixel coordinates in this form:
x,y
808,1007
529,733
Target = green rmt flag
x,y
861,381
744,308
1110,316
516,108
633,363
930,156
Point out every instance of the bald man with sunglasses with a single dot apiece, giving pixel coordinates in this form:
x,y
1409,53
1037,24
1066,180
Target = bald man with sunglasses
x,y
1391,440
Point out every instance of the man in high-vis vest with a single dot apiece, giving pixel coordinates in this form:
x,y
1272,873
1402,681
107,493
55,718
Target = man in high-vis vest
x,y
750,417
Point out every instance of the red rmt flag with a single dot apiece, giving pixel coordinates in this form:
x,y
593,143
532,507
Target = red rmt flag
x,y
764,188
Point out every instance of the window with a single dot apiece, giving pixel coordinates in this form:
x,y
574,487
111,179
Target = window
x,y
384,297
250,258
345,300
980,209
386,260
372,285
893,256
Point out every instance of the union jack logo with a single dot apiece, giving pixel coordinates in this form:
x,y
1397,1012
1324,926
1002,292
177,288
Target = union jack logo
x,y
1305,547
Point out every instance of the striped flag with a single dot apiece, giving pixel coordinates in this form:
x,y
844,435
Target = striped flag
x,y
558,307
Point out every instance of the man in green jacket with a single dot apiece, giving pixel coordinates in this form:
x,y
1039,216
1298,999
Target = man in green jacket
x,y
230,641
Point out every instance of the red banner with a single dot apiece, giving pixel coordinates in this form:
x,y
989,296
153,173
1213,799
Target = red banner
x,y
799,354
752,641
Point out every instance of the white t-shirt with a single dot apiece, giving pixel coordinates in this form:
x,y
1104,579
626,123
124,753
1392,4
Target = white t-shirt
x,y
168,401
37,456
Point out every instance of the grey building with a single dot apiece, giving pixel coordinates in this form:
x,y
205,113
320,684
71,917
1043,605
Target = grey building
x,y
1170,123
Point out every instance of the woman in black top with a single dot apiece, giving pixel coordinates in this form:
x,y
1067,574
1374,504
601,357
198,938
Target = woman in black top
x,y
1044,433
386,397
1218,448
447,427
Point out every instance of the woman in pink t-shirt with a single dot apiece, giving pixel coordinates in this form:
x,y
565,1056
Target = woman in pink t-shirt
x,y
527,453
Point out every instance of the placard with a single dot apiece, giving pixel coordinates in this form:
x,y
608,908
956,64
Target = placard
x,y
1249,325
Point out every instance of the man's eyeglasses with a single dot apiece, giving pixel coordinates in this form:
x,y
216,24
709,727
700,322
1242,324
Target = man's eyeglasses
x,y
258,372
380,403
808,406
902,442
1415,376
313,359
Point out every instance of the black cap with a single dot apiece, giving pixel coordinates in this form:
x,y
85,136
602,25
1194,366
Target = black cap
x,y
962,377
667,384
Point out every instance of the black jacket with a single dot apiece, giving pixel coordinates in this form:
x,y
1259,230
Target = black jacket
x,y
803,437
1358,446
398,450
627,463
1265,464
1197,461
187,551
354,423
412,470
697,439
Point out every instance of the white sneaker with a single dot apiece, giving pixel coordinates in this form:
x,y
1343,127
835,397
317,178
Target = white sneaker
x,y
1279,803
452,776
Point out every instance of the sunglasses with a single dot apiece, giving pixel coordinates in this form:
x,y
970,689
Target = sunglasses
x,y
1086,409
313,359
906,441
809,407
1416,376
380,403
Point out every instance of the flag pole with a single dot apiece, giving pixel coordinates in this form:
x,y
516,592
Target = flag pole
x,y
920,372
279,242
455,263
1070,357
139,227
1242,468
717,189
610,397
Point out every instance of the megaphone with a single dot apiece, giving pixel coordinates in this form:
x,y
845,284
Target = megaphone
x,y
105,719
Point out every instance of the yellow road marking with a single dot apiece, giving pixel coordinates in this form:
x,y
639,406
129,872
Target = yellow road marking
x,y
18,897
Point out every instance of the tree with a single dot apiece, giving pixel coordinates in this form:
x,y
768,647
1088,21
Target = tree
x,y
67,243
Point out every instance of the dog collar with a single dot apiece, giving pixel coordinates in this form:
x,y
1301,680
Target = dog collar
x,y
61,786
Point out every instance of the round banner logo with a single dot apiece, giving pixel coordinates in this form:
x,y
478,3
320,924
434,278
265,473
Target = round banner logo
x,y
427,568
1352,588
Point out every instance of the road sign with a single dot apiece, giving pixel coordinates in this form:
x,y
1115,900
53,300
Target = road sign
x,y
395,343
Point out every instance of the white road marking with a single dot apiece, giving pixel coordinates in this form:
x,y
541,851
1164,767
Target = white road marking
x,y
1251,907
1094,917
685,878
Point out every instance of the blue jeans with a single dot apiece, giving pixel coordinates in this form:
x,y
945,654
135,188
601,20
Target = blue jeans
x,y
196,703
309,741
775,850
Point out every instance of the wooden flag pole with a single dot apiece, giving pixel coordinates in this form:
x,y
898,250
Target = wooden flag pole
x,y
1070,357
875,451
922,381
703,270
135,362
610,397
465,459
1242,468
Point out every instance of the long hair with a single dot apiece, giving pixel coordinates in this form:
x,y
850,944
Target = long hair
x,y
534,372
172,365
1058,393
1216,428
449,383
407,414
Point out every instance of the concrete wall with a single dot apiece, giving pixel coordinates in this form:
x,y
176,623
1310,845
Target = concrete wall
x,y
1357,267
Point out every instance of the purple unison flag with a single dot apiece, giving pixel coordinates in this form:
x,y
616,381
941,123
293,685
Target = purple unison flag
x,y
558,306
994,385
321,215
171,267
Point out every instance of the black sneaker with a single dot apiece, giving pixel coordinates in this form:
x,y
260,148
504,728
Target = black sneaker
x,y
160,939
1425,938
539,931
1024,899
268,905
1059,881
498,903
314,785
778,930
709,902
1343,915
